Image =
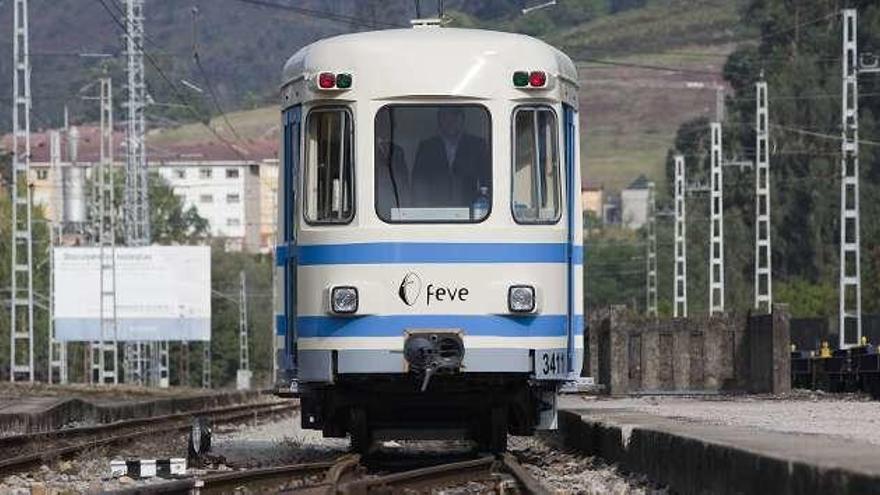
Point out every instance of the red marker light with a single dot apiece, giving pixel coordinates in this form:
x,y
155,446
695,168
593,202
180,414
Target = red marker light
x,y
537,79
326,80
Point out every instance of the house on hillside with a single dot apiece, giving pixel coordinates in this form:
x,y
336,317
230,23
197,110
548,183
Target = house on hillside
x,y
592,196
611,209
234,187
634,203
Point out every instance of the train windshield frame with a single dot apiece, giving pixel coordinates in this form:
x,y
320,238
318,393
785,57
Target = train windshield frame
x,y
536,175
433,163
328,169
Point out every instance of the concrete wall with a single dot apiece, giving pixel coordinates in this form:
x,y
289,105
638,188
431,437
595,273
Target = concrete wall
x,y
722,353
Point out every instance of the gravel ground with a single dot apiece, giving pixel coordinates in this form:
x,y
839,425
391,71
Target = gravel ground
x,y
567,472
277,441
282,441
853,417
273,443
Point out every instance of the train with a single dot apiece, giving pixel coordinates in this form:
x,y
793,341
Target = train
x,y
429,262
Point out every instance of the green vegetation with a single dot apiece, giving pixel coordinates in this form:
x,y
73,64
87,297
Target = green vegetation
x,y
225,268
801,62
172,224
659,26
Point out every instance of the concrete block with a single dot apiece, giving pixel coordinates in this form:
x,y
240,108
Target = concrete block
x,y
700,458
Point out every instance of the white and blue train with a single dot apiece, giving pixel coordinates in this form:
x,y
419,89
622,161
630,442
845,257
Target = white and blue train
x,y
430,257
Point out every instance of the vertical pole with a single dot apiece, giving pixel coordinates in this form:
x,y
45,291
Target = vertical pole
x,y
243,377
162,357
108,358
136,210
206,364
716,226
57,350
680,275
651,268
244,361
137,217
763,258
850,297
719,103
184,364
21,304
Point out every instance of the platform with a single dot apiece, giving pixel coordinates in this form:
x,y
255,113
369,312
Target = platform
x,y
727,446
32,409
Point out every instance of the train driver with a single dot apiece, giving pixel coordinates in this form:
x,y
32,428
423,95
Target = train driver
x,y
451,167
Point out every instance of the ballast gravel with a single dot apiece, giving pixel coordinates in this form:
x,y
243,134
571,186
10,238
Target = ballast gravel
x,y
245,443
282,441
569,472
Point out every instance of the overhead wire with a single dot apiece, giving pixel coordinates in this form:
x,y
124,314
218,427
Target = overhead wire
x,y
175,91
320,14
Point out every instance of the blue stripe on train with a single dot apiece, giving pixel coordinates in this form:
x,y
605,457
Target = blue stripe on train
x,y
394,325
429,252
280,325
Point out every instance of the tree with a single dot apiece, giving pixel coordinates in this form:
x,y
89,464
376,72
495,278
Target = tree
x,y
799,55
170,222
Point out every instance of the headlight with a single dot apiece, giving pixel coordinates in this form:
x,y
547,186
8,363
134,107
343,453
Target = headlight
x,y
521,299
344,300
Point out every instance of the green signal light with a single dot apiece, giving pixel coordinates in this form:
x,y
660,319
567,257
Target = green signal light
x,y
520,79
343,81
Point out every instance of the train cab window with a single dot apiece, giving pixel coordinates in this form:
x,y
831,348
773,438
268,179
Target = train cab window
x,y
433,163
536,183
329,174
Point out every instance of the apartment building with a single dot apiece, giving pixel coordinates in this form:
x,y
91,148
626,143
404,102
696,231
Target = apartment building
x,y
235,190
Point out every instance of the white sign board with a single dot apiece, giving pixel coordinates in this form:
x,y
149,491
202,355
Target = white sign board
x,y
162,293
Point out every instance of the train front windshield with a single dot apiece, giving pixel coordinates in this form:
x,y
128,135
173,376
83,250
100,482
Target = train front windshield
x,y
433,163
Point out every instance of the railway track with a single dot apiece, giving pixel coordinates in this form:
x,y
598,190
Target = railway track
x,y
347,476
21,452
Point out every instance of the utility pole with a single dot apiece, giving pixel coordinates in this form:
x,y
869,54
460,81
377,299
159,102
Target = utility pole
x,y
244,373
21,298
57,350
243,361
680,275
719,103
763,258
104,352
162,355
137,211
206,364
651,268
850,296
716,224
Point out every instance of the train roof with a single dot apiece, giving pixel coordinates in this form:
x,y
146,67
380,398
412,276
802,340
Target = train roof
x,y
426,60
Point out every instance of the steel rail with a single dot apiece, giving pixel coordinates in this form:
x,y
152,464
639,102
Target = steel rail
x,y
334,471
444,473
344,476
525,479
422,476
224,415
24,438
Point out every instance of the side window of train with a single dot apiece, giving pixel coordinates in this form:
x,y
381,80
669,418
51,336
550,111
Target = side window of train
x,y
536,177
329,167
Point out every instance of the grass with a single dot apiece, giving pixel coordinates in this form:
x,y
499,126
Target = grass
x,y
629,115
249,124
659,26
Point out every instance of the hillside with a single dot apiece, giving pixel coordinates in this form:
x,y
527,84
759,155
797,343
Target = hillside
x,y
629,113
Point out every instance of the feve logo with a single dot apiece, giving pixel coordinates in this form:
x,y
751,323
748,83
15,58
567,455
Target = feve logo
x,y
410,288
